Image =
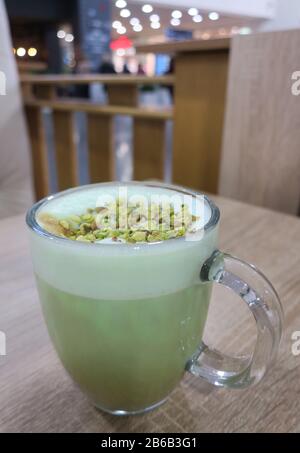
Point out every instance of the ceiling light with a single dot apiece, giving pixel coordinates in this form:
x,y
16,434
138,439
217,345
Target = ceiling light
x,y
175,22
245,31
176,14
121,4
198,18
155,25
32,52
214,16
21,52
154,18
125,13
137,28
69,37
116,24
121,30
147,8
193,11
134,21
61,34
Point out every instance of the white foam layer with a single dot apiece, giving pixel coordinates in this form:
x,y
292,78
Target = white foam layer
x,y
122,271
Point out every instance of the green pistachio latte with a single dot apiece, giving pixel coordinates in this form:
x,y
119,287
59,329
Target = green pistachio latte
x,y
118,281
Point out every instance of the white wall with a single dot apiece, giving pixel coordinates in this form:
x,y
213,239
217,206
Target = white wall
x,y
15,180
251,8
287,16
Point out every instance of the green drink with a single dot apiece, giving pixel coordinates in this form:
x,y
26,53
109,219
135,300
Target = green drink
x,y
126,316
125,354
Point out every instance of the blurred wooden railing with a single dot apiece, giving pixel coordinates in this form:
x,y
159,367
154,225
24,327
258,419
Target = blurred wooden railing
x,y
148,129
201,70
200,84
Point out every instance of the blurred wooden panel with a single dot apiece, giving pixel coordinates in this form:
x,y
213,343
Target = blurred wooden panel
x,y
124,95
200,91
26,89
27,68
65,150
45,91
39,151
67,105
261,152
148,149
108,79
100,148
194,45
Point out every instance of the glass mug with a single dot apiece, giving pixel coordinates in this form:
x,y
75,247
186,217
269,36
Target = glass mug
x,y
127,320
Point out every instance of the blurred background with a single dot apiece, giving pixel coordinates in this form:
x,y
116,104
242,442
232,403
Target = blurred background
x,y
54,36
199,93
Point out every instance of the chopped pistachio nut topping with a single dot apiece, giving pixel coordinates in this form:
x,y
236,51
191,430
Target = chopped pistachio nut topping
x,y
118,222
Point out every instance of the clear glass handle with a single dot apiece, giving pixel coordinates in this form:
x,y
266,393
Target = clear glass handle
x,y
260,296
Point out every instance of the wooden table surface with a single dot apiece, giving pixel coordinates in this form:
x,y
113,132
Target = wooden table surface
x,y
36,395
193,45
